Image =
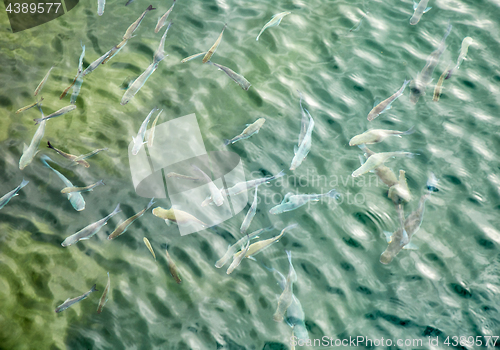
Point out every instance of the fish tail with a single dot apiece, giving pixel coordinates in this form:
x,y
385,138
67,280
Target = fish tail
x,y
101,182
151,202
44,160
406,82
432,183
49,145
37,121
94,289
150,7
280,174
117,210
333,194
227,142
409,131
23,183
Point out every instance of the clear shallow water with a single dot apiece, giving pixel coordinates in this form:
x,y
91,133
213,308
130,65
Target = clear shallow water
x,y
449,287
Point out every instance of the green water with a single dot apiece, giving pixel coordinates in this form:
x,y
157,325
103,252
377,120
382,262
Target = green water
x,y
448,287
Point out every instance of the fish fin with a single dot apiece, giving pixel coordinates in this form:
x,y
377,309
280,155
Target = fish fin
x,y
251,258
25,147
415,5
295,149
410,246
168,222
427,9
23,183
377,101
362,160
409,131
93,289
227,142
388,236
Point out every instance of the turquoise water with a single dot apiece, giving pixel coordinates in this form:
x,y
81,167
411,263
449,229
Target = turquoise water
x,y
448,287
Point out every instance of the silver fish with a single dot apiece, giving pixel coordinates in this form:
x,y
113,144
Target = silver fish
x,y
82,189
70,302
303,149
237,259
148,245
163,19
30,151
377,135
215,193
387,103
139,139
275,20
75,198
138,83
96,63
114,50
249,131
292,202
420,9
241,187
251,213
123,227
100,7
56,113
463,53
378,159
7,197
400,192
303,122
88,155
211,51
90,230
160,52
152,130
104,296
192,57
42,83
425,76
240,79
286,297
133,27
22,109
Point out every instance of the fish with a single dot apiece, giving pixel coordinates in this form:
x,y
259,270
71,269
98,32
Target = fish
x,y
163,19
463,53
424,77
8,196
90,230
122,228
232,248
68,156
420,9
292,202
133,27
286,297
173,268
385,174
249,131
303,149
75,198
57,113
251,213
96,63
378,159
210,52
104,296
114,50
160,52
152,130
36,103
100,7
439,85
192,57
387,103
70,302
42,83
65,92
30,151
400,192
76,88
185,177
88,155
77,82
146,242
237,259
275,20
82,189
215,193
259,246
176,215
138,84
377,135
139,139
240,79
244,186
303,122
356,26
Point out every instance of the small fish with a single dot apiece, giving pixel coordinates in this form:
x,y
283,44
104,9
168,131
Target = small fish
x,y
303,122
275,20
356,26
249,131
114,50
160,52
303,149
76,88
88,155
232,249
122,228
215,193
104,297
387,103
420,9
70,302
96,63
139,139
56,114
425,76
385,174
77,82
163,19
152,130
292,202
286,298
100,7
241,187
7,197
463,53
146,242
251,213
192,57
210,52
377,135
176,215
138,84
378,159
29,106
82,189
173,268
400,192
237,259
185,177
257,247
68,156
42,83
65,92
75,198
240,79
90,230
30,151
439,85
133,27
